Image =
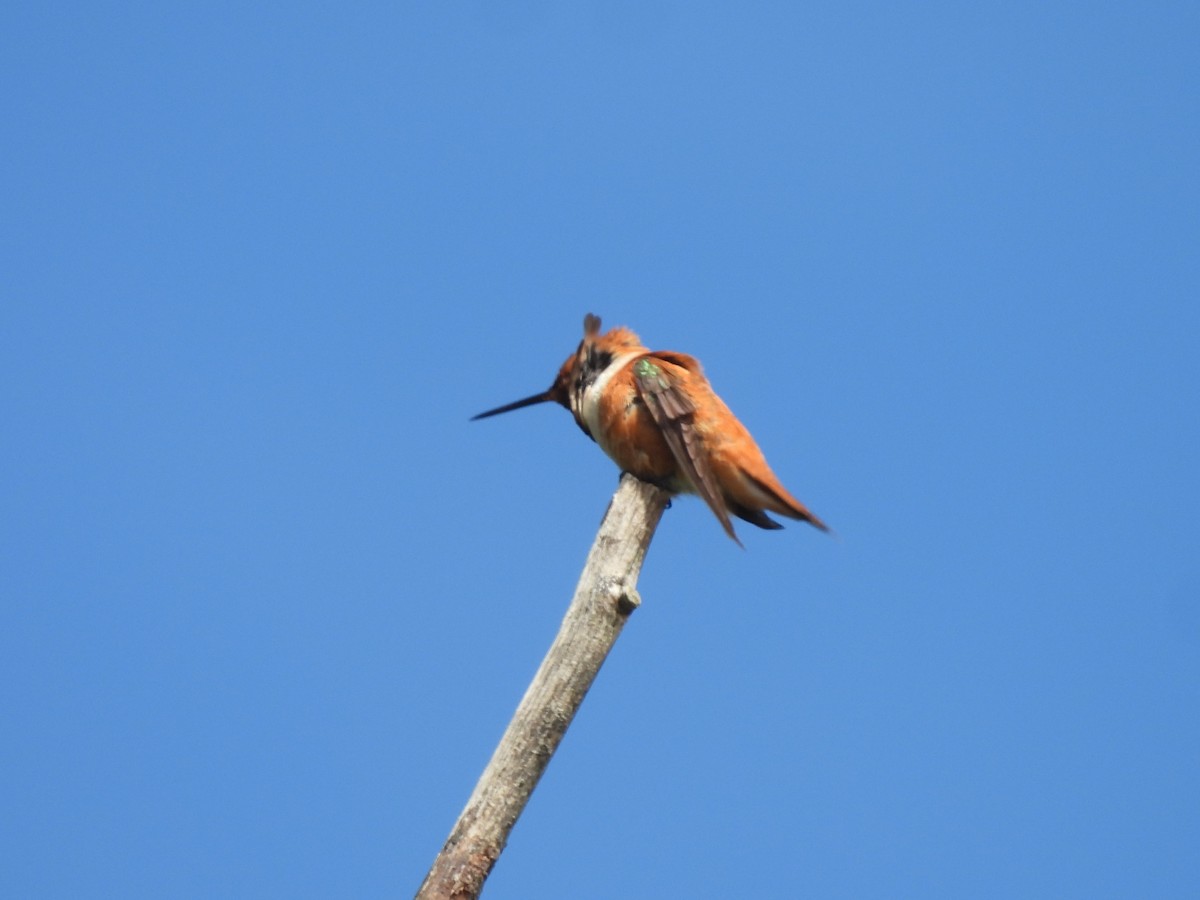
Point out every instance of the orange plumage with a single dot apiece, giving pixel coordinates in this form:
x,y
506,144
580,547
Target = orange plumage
x,y
657,417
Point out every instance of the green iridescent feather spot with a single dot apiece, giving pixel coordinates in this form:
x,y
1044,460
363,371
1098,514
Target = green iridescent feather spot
x,y
647,369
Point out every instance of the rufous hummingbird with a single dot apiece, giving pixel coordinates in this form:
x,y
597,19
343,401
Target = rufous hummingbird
x,y
656,416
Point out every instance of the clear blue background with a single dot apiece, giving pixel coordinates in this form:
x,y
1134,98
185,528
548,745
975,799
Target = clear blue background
x,y
269,599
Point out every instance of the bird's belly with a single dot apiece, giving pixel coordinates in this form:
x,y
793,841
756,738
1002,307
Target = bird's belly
x,y
632,440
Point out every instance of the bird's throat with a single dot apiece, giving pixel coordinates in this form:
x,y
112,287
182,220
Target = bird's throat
x,y
586,398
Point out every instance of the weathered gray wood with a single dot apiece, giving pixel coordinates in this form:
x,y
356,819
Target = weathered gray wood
x,y
604,598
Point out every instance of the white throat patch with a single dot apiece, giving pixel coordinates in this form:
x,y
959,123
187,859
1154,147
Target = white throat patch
x,y
590,405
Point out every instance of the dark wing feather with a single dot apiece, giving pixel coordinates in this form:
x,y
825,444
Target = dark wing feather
x,y
674,413
754,517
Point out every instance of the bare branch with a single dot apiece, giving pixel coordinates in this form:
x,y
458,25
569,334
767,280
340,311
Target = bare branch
x,y
604,598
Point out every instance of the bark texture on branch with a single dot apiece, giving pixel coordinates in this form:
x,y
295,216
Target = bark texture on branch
x,y
604,598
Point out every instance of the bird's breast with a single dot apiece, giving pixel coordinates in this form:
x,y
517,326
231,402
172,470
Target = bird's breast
x,y
624,428
596,397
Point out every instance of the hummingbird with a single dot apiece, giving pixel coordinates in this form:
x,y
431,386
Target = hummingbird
x,y
655,415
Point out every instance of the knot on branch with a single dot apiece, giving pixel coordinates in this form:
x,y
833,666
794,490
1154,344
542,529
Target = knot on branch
x,y
625,597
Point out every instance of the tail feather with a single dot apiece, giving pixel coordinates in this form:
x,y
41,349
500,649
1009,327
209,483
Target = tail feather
x,y
753,516
780,501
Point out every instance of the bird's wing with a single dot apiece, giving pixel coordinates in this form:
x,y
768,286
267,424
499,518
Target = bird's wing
x,y
674,413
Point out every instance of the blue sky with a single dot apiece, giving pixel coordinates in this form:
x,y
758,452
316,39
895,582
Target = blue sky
x,y
269,598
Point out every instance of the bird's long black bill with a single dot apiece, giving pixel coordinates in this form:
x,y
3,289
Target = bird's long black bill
x,y
543,397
